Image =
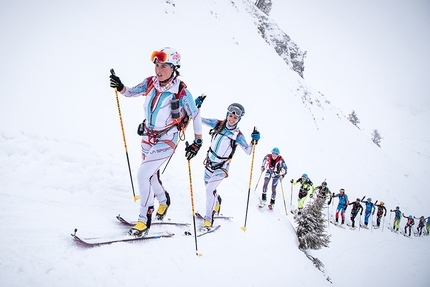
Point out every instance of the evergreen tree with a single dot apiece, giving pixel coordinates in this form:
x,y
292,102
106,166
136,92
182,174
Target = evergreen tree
x,y
311,230
376,137
352,117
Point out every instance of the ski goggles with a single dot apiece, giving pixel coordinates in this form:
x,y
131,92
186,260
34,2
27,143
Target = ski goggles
x,y
159,56
275,153
235,110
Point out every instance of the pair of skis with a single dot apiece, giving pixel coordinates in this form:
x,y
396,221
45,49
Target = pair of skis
x,y
96,241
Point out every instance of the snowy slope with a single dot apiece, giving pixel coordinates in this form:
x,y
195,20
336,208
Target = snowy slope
x,y
63,164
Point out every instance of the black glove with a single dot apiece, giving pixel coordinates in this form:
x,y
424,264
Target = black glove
x,y
192,150
292,180
199,100
361,213
115,82
262,168
141,129
255,136
363,197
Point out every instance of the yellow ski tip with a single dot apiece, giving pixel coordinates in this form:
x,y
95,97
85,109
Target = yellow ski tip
x,y
136,198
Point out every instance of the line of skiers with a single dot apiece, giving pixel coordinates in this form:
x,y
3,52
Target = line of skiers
x,y
307,189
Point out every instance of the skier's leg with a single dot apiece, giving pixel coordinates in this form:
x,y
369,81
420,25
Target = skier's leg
x,y
275,181
212,180
265,184
152,158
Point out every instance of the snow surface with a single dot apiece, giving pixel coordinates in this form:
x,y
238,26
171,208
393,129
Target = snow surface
x,y
63,162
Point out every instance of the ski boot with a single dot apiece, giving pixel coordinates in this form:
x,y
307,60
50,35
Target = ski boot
x,y
162,208
272,204
139,230
263,199
217,208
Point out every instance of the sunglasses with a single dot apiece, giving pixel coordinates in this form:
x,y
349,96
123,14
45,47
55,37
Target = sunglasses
x,y
159,56
235,110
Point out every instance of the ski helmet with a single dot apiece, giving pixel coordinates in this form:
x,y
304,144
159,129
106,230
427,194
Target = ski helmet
x,y
324,183
410,216
397,207
167,55
342,190
275,150
236,109
357,199
382,203
369,199
305,175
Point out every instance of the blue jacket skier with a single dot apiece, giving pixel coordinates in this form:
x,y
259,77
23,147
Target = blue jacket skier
x,y
397,217
342,205
370,209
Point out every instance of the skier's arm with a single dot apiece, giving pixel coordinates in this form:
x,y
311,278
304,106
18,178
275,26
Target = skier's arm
x,y
247,148
137,90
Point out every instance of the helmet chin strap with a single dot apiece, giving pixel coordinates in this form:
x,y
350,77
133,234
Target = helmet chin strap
x,y
163,83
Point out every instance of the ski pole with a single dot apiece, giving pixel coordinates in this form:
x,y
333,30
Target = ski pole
x,y
291,195
259,179
283,197
135,197
383,223
192,207
250,181
202,97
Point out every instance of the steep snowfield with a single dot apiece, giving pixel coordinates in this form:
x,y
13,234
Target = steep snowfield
x,y
63,163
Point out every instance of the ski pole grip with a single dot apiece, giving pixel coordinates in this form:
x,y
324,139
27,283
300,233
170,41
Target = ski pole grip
x,y
112,72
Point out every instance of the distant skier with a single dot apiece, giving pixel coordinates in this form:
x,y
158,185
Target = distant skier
x,y
397,217
306,187
409,223
356,208
324,191
370,210
421,224
276,169
342,205
381,209
428,225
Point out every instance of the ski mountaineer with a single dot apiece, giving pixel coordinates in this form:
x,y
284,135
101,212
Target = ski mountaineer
x,y
306,186
276,169
428,225
397,217
409,223
324,191
421,224
370,209
342,205
379,212
356,208
168,105
225,136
